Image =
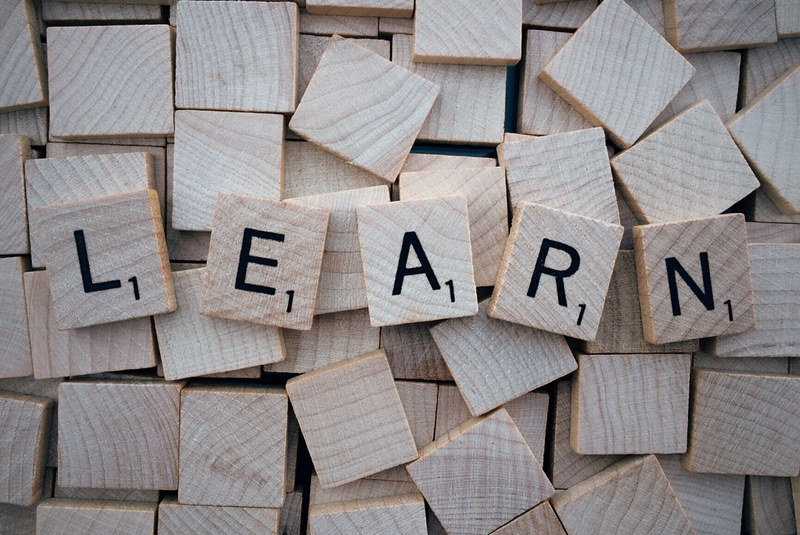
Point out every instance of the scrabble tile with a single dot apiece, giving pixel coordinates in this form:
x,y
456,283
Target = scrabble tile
x,y
261,71
31,123
417,161
362,8
118,238
631,496
233,446
438,232
766,137
679,298
778,365
123,345
703,25
764,65
769,505
563,15
15,347
485,189
652,11
191,344
133,441
760,208
182,245
24,433
14,150
110,80
23,69
361,489
743,423
549,170
451,410
18,519
524,293
117,495
54,12
772,233
45,388
507,468
393,25
464,32
541,519
350,73
630,404
223,152
668,176
352,419
412,353
396,514
175,519
788,18
617,53
471,103
345,26
291,514
95,517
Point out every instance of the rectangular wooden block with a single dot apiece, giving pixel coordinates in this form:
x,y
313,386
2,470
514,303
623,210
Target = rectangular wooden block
x,y
393,25
176,519
361,489
182,245
769,505
397,514
14,150
31,123
345,26
541,519
132,442
764,65
563,15
117,495
772,233
23,69
15,346
704,25
56,11
412,352
60,516
418,161
362,8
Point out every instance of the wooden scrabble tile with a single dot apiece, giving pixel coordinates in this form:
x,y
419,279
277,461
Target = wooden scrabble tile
x,y
494,361
396,514
464,32
291,514
412,353
631,496
525,294
485,190
764,65
760,208
182,245
779,365
175,519
703,25
45,388
451,410
788,18
118,237
769,505
54,12
541,519
643,63
23,69
630,404
135,96
279,247
132,442
652,11
352,419
775,270
350,73
260,71
338,25
563,15
438,232
14,150
417,161
393,25
31,123
767,142
117,495
92,517
620,329
507,468
742,423
550,170
772,233
24,433
361,489
362,8
233,446
471,103
19,519
191,344
15,347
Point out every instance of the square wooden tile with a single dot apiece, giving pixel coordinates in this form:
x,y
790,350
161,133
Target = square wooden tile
x,y
182,245
541,519
15,346
95,517
704,25
769,504
394,514
412,353
23,69
765,64
14,150
176,519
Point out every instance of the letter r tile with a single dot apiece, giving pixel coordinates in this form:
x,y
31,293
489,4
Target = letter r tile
x,y
264,261
555,271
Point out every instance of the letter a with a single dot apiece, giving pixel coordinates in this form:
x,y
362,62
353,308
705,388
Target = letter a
x,y
410,240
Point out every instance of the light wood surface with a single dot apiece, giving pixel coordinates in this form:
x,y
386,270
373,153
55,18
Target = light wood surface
x,y
182,245
764,65
346,26
31,123
361,489
175,519
768,505
392,25
18,519
23,69
762,209
432,162
56,11
45,388
703,25
788,18
412,353
117,495
451,410
362,8
14,150
563,15
772,233
541,520
652,11
779,365
395,514
15,346
62,516
291,514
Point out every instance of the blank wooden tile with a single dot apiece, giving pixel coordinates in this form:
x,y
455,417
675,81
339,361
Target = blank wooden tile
x,y
345,26
541,520
703,25
24,434
766,137
772,233
61,516
631,496
506,468
464,32
223,152
118,495
563,15
135,96
23,69
182,245
46,388
569,302
260,72
132,442
742,423
412,353
778,365
471,103
431,162
31,123
399,291
764,65
279,247
14,150
352,419
617,53
54,12
652,11
349,73
552,170
393,25
176,519
768,505
361,489
396,514
362,8
451,410
15,347
788,18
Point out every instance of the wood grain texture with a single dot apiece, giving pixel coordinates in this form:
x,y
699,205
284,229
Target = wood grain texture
x,y
772,233
463,32
597,241
15,347
298,256
291,514
46,388
613,58
18,519
260,72
182,245
223,152
346,26
14,150
175,519
743,423
362,8
412,353
132,441
652,11
63,516
568,171
393,25
764,65
396,514
512,480
705,25
417,161
541,520
361,489
779,365
787,14
775,270
760,208
22,71
372,87
722,241
352,419
118,495
627,219
470,107
630,404
765,136
632,495
563,15
31,123
451,410
55,11
769,506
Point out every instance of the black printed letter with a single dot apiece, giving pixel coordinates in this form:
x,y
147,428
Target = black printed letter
x,y
245,258
706,296
559,274
410,239
86,271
